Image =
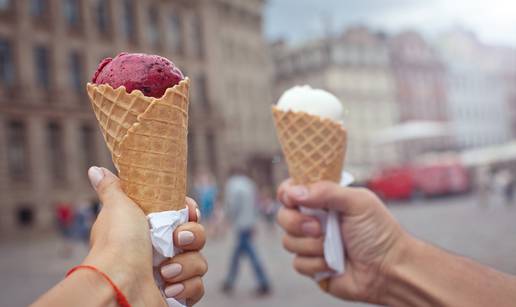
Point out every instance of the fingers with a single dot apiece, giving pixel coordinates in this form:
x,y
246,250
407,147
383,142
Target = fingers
x,y
194,215
297,224
191,290
306,247
183,266
326,195
190,236
107,186
281,193
309,266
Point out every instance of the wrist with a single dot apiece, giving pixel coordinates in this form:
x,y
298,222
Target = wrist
x,y
394,280
123,276
94,284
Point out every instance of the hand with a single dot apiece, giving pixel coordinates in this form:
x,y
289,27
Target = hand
x,y
372,238
121,246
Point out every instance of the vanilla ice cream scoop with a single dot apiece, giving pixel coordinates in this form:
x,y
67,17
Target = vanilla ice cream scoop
x,y
312,101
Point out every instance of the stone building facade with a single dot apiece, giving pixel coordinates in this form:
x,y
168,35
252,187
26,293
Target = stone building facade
x,y
48,50
420,76
477,90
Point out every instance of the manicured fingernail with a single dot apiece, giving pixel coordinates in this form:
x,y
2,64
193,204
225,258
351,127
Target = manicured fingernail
x,y
96,174
198,215
172,291
299,191
185,237
310,228
171,270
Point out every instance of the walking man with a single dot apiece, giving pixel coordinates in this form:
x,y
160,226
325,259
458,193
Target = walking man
x,y
241,209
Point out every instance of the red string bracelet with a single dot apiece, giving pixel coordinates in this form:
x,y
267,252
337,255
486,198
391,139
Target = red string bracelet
x,y
120,297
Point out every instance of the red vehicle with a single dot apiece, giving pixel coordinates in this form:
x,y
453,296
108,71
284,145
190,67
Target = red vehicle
x,y
429,179
393,183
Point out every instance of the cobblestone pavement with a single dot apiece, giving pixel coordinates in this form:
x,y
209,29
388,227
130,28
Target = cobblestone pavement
x,y
29,268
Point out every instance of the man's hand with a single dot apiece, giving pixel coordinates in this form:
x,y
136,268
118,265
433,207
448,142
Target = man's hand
x,y
372,238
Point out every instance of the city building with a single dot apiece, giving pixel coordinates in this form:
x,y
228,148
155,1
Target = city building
x,y
356,67
421,89
477,90
48,49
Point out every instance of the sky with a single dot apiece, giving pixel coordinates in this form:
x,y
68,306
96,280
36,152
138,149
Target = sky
x,y
494,21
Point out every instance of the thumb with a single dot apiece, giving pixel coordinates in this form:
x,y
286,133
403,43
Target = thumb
x,y
326,195
106,184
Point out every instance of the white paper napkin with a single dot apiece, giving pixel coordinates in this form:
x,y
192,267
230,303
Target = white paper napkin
x,y
333,245
162,226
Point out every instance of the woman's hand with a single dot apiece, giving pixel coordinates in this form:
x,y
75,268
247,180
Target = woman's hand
x,y
121,247
372,238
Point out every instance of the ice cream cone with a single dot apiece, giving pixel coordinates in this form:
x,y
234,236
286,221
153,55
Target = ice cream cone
x,y
314,147
147,138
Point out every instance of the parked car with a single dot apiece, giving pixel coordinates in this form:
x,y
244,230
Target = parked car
x,y
425,180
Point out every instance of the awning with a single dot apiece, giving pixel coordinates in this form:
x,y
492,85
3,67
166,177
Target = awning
x,y
411,130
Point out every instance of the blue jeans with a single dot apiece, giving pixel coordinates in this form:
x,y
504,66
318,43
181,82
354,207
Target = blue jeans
x,y
245,246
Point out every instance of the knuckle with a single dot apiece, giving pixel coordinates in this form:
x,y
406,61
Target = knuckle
x,y
203,266
286,243
198,287
315,245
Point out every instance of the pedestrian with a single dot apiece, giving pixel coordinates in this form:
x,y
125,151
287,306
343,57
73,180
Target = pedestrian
x,y
83,221
268,207
95,207
65,220
483,184
205,192
241,209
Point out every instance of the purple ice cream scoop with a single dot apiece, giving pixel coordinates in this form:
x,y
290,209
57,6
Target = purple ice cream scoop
x,y
151,74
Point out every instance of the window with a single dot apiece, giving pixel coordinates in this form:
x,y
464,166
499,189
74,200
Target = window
x,y
55,145
129,19
211,144
5,5
42,61
88,145
72,13
102,17
17,155
201,93
153,28
197,39
25,214
38,8
175,34
6,63
192,161
76,71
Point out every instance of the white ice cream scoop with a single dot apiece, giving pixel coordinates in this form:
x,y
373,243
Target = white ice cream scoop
x,y
312,101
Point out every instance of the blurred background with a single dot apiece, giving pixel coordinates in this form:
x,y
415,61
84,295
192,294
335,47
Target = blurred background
x,y
429,89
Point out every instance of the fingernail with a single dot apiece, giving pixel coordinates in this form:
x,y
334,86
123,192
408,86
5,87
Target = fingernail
x,y
198,215
185,237
299,191
171,270
96,175
310,228
174,290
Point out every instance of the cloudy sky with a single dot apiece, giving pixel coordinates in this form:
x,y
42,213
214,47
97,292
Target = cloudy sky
x,y
296,20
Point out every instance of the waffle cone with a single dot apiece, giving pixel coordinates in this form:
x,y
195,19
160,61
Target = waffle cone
x,y
314,147
147,138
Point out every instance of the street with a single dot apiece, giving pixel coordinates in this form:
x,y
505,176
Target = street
x,y
458,224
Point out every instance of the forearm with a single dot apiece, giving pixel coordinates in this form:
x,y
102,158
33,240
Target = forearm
x,y
82,288
428,276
